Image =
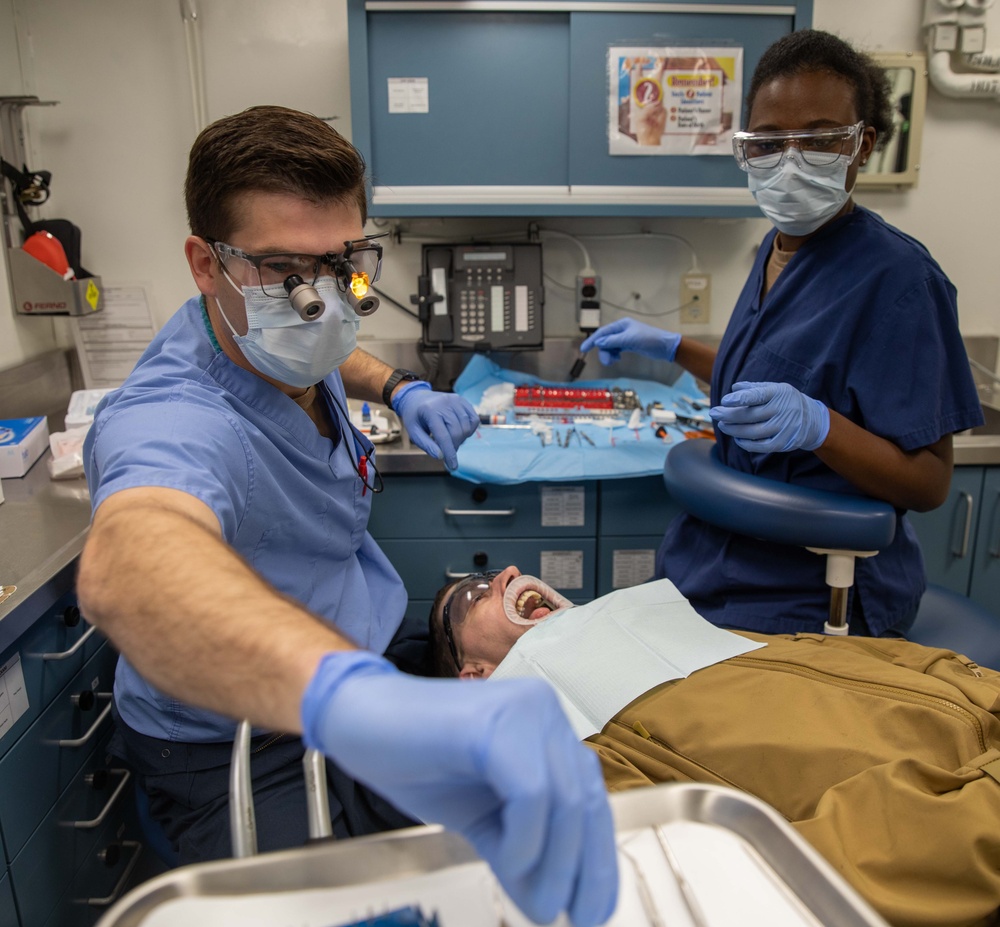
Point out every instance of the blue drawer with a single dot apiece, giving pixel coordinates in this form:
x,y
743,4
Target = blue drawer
x,y
51,653
108,872
8,913
88,815
37,770
634,507
425,566
433,506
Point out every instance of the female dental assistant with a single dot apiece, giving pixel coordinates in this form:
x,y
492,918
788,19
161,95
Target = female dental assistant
x,y
842,367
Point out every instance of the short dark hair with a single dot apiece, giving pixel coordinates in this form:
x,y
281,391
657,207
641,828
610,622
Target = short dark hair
x,y
813,50
441,661
268,149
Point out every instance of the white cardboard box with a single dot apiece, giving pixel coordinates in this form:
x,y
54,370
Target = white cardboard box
x,y
22,442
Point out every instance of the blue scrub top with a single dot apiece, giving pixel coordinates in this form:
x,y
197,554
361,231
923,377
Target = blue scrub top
x,y
864,320
289,501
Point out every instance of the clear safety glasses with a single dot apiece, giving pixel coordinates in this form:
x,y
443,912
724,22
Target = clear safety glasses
x,y
356,267
466,593
763,151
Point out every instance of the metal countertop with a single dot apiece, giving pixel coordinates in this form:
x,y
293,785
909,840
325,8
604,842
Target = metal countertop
x,y
44,522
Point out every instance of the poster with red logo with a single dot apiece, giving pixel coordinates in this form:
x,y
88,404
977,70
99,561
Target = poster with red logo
x,y
674,101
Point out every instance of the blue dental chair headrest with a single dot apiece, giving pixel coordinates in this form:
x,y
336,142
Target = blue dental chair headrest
x,y
758,507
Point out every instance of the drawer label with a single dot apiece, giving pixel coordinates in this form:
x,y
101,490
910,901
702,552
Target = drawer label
x,y
13,695
562,569
632,567
562,507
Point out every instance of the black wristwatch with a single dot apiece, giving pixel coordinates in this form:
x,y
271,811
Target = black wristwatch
x,y
399,375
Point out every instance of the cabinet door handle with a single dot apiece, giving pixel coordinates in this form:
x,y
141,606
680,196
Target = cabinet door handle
x,y
136,848
108,805
994,547
80,741
465,513
964,549
66,654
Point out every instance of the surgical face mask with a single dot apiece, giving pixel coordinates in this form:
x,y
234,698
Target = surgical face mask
x,y
281,345
798,197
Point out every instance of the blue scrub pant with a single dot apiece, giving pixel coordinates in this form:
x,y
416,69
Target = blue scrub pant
x,y
188,783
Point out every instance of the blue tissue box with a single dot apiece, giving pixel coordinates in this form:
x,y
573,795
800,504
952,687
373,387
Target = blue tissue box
x,y
22,442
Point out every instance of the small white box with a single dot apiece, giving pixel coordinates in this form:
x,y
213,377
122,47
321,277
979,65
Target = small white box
x,y
22,442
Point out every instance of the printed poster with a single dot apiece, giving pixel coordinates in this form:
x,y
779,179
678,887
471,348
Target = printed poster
x,y
674,101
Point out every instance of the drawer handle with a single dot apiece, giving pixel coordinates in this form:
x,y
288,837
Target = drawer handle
x,y
66,654
994,548
964,549
465,513
80,741
108,805
136,847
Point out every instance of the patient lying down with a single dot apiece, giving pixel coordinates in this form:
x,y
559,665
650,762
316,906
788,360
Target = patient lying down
x,y
884,754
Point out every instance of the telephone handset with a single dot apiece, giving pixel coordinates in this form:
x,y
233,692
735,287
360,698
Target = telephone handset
x,y
439,328
482,297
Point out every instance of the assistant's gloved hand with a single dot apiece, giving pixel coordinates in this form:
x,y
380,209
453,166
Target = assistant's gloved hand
x,y
436,422
630,335
768,417
495,761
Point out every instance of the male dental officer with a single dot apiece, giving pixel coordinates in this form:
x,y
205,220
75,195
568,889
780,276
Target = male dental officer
x,y
229,561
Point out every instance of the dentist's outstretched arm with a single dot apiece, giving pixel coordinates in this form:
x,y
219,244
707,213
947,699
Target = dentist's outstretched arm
x,y
497,762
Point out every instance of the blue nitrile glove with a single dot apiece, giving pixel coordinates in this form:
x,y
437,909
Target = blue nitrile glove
x,y
495,761
768,417
436,422
630,335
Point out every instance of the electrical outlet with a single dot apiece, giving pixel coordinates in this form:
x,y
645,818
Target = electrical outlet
x,y
696,299
588,302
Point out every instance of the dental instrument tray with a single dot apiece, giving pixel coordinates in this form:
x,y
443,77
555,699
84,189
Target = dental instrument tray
x,y
531,399
688,854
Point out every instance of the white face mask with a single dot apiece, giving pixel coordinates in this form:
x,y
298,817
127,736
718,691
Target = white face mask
x,y
281,345
798,197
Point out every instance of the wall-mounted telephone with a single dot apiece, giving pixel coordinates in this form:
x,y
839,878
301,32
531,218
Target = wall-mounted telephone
x,y
482,297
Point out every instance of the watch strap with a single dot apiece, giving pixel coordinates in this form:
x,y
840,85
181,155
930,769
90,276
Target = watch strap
x,y
399,375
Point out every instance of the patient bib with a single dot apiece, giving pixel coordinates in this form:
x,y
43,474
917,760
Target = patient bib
x,y
600,656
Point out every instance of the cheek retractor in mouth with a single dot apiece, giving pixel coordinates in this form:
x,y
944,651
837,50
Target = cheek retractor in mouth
x,y
525,594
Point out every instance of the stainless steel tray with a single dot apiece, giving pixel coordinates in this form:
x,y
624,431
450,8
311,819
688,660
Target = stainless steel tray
x,y
427,864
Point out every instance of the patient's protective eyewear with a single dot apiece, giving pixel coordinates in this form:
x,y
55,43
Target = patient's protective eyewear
x,y
763,151
357,266
466,593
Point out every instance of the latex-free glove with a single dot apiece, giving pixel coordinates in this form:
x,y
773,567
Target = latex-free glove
x,y
630,335
436,422
769,417
495,761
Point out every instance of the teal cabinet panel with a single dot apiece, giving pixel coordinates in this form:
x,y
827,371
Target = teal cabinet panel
x,y
45,760
8,911
985,585
425,566
947,534
635,506
435,506
476,94
625,561
436,89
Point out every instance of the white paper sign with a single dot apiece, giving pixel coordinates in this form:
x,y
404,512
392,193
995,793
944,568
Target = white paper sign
x,y
408,95
562,569
13,695
109,342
